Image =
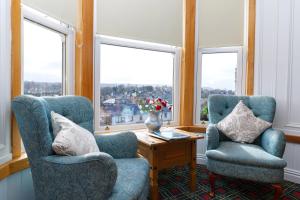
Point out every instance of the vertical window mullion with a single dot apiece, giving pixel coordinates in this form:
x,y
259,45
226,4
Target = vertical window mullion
x,y
64,64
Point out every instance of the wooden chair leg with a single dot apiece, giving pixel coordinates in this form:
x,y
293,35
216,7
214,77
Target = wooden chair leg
x,y
212,180
278,191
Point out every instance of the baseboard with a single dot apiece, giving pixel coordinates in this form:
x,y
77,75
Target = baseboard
x,y
201,159
289,174
292,175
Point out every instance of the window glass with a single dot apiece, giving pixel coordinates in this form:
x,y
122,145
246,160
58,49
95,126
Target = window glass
x,y
43,60
129,76
218,77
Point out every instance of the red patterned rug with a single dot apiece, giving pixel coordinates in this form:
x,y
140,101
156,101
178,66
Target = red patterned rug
x,y
173,184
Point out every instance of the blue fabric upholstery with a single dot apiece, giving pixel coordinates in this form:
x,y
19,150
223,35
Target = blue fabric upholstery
x,y
119,145
263,158
91,176
273,141
245,154
133,171
213,138
265,175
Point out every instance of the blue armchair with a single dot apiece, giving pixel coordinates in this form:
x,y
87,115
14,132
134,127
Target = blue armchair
x,y
261,161
114,173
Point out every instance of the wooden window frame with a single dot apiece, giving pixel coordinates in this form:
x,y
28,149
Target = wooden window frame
x,y
16,71
84,49
251,47
188,64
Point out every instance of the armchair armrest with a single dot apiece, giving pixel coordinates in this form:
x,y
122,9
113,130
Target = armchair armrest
x,y
273,141
212,137
118,145
93,175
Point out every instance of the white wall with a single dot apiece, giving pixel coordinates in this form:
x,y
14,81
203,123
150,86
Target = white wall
x,y
221,23
277,68
5,88
18,186
62,10
147,20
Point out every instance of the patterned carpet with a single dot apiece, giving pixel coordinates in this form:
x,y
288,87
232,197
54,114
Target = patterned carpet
x,y
173,185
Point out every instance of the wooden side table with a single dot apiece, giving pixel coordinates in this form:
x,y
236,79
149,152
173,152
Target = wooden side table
x,y
163,155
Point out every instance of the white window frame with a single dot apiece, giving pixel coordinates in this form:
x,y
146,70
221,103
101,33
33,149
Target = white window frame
x,y
240,75
5,81
100,39
68,44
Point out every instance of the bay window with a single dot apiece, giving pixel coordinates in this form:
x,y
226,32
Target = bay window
x,y
128,72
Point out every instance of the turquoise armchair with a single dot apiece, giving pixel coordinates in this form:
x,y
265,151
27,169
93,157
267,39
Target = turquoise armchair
x,y
114,173
261,161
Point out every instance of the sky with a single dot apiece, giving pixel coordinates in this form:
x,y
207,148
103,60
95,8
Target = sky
x,y
119,65
42,54
135,66
218,70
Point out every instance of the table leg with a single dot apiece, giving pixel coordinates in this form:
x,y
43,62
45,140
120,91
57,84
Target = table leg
x,y
154,183
193,167
154,174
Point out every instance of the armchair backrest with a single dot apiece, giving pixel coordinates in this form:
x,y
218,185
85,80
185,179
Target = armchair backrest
x,y
219,106
34,120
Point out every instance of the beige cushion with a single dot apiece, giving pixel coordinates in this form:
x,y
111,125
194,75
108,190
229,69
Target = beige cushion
x,y
70,138
241,125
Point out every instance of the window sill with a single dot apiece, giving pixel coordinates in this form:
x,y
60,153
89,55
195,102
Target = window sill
x,y
14,166
121,128
195,129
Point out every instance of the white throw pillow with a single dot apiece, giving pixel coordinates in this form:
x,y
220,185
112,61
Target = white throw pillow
x,y
241,125
70,138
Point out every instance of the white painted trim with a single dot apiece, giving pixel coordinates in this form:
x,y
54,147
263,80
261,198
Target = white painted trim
x,y
245,48
241,74
68,33
292,175
45,20
201,159
97,50
135,44
5,158
5,80
197,60
100,39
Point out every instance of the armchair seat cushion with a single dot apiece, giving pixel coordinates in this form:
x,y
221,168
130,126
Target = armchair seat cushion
x,y
133,177
245,154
